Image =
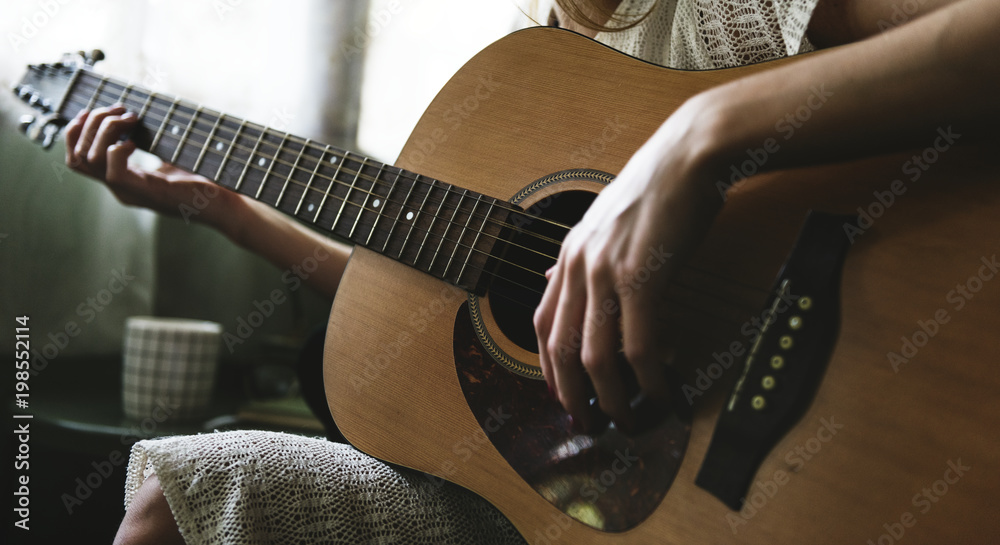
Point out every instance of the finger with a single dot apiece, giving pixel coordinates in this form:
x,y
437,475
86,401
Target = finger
x,y
110,132
118,173
600,344
543,323
89,132
564,347
73,130
643,344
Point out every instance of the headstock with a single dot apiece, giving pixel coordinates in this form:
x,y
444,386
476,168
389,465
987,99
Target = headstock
x,y
44,87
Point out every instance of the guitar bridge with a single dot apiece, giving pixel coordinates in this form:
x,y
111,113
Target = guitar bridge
x,y
785,364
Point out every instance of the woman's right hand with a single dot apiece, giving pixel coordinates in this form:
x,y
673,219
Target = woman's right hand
x,y
94,147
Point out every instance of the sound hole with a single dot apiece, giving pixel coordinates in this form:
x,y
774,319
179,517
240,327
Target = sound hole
x,y
531,246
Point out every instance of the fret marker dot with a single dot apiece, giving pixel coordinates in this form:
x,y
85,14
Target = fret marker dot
x,y
311,207
409,215
175,129
333,160
218,146
262,161
375,203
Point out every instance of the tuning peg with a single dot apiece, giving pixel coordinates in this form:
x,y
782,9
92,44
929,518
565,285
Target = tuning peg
x,y
92,58
49,133
25,122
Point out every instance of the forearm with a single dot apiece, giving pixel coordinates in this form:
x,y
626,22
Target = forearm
x,y
318,260
890,92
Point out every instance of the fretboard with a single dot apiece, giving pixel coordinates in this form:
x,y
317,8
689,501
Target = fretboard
x,y
438,228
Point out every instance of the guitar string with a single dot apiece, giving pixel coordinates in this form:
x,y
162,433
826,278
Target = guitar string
x,y
443,207
265,131
375,180
532,271
149,97
359,174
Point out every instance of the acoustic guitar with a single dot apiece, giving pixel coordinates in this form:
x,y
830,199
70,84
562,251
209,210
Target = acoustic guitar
x,y
837,372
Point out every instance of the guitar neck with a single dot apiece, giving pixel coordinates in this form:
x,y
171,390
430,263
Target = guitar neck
x,y
443,230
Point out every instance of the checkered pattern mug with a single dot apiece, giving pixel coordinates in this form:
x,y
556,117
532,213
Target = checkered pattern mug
x,y
169,368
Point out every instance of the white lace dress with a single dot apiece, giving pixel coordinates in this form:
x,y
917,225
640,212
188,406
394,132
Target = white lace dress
x,y
258,487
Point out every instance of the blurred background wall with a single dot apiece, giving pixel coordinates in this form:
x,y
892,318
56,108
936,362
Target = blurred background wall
x,y
350,73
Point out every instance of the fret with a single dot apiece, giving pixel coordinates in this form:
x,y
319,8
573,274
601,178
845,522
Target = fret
x,y
475,242
97,93
444,236
458,242
246,165
392,227
329,189
428,231
270,165
179,137
309,182
125,93
145,106
69,96
364,204
291,172
208,141
187,131
379,215
229,150
163,125
350,188
413,220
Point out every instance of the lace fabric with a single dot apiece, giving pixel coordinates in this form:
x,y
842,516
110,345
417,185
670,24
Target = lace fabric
x,y
266,487
705,34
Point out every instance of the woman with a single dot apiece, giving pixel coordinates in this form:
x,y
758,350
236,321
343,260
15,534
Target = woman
x,y
905,74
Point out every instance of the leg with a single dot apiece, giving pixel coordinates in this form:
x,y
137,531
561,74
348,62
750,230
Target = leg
x,y
148,518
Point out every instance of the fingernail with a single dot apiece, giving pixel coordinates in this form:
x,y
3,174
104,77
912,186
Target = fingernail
x,y
129,116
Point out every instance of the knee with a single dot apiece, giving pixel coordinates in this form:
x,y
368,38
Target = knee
x,y
148,519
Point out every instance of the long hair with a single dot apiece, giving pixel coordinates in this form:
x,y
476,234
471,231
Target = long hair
x,y
606,21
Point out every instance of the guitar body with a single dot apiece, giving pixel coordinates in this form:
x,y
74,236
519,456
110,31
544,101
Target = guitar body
x,y
889,448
